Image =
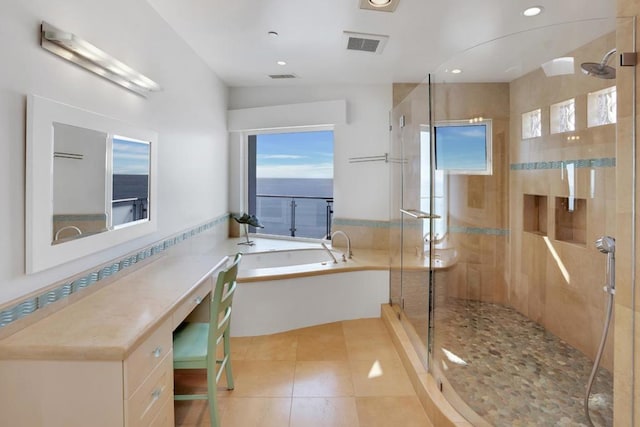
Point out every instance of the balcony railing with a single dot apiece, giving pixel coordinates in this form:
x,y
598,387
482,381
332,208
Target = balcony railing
x,y
295,216
128,210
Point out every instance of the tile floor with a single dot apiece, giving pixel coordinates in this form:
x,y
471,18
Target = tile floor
x,y
514,372
344,374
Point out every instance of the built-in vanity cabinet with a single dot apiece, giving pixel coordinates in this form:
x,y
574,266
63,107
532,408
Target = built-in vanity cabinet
x,y
105,360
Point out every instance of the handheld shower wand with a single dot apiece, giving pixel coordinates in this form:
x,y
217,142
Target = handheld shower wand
x,y
606,245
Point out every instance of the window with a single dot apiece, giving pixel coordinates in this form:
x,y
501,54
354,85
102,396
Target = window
x,y
532,124
291,182
601,107
464,147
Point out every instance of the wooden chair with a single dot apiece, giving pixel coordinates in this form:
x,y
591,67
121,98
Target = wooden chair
x,y
195,344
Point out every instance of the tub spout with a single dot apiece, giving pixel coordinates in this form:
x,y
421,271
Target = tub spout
x,y
349,254
335,261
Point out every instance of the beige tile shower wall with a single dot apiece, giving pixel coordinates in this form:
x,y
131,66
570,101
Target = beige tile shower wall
x,y
363,235
478,203
556,273
627,335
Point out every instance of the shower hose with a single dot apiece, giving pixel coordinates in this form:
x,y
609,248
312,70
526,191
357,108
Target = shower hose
x,y
596,363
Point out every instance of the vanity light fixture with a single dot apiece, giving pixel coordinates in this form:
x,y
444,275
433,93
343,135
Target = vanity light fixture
x,y
456,71
532,11
281,63
82,53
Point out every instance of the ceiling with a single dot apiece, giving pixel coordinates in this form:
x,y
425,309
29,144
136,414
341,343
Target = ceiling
x,y
489,40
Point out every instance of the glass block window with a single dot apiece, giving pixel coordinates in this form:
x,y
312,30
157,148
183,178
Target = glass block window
x,y
563,116
532,124
601,107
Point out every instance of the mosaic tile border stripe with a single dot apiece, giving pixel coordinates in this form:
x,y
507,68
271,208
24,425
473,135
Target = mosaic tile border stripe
x,y
606,162
361,223
478,230
30,305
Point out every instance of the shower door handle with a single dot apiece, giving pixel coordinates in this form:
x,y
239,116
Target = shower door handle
x,y
419,214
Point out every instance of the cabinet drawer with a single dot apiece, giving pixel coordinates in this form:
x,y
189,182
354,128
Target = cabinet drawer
x,y
148,401
195,298
146,357
166,417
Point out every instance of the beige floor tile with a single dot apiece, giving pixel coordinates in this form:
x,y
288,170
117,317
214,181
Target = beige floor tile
x,y
322,379
256,412
375,347
364,327
328,329
403,411
190,413
272,347
380,378
323,412
321,347
239,347
256,378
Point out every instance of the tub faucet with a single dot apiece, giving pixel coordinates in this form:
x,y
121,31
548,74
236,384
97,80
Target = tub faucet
x,y
349,254
335,261
68,227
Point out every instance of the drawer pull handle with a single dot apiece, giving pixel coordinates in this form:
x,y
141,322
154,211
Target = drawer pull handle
x,y
198,300
156,394
157,352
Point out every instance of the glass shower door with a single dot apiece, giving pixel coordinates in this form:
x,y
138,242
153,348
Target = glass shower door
x,y
411,218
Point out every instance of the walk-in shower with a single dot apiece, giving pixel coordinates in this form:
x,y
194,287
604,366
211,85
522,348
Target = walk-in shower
x,y
511,327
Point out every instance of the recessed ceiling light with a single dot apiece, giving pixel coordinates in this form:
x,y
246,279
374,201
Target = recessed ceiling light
x,y
273,33
456,71
533,11
379,3
281,63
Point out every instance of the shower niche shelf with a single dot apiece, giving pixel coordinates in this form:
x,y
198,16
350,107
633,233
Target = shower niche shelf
x,y
534,218
571,220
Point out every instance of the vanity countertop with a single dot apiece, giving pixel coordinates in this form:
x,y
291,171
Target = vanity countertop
x,y
109,323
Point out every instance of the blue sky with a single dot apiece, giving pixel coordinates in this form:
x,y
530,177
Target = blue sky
x,y
295,155
461,147
130,157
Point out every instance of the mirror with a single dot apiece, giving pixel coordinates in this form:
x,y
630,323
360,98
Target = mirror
x,y
89,181
79,182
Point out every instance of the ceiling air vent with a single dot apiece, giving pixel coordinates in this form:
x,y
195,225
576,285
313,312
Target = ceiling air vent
x,y
372,43
283,76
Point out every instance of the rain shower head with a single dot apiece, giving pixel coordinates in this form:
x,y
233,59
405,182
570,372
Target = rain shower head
x,y
606,244
600,69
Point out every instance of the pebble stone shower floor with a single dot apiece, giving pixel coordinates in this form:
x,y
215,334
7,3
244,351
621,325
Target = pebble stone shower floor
x,y
514,373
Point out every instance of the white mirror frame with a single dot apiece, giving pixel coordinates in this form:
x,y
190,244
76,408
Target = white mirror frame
x,y
40,253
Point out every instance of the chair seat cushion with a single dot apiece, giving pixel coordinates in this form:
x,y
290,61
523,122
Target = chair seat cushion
x,y
190,343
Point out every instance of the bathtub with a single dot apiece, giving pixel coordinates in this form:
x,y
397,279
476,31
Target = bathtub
x,y
286,258
290,289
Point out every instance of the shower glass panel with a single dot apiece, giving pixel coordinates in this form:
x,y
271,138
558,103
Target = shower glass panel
x,y
501,286
412,212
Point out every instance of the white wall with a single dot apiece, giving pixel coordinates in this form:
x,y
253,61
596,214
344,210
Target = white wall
x,y
189,116
361,191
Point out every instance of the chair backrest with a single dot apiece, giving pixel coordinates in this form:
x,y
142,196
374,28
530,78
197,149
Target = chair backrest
x,y
221,300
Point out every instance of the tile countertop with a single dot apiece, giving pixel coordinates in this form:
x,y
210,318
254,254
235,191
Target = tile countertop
x,y
109,323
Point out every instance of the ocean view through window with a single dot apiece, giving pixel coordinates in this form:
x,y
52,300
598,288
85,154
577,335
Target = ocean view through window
x,y
291,182
130,186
